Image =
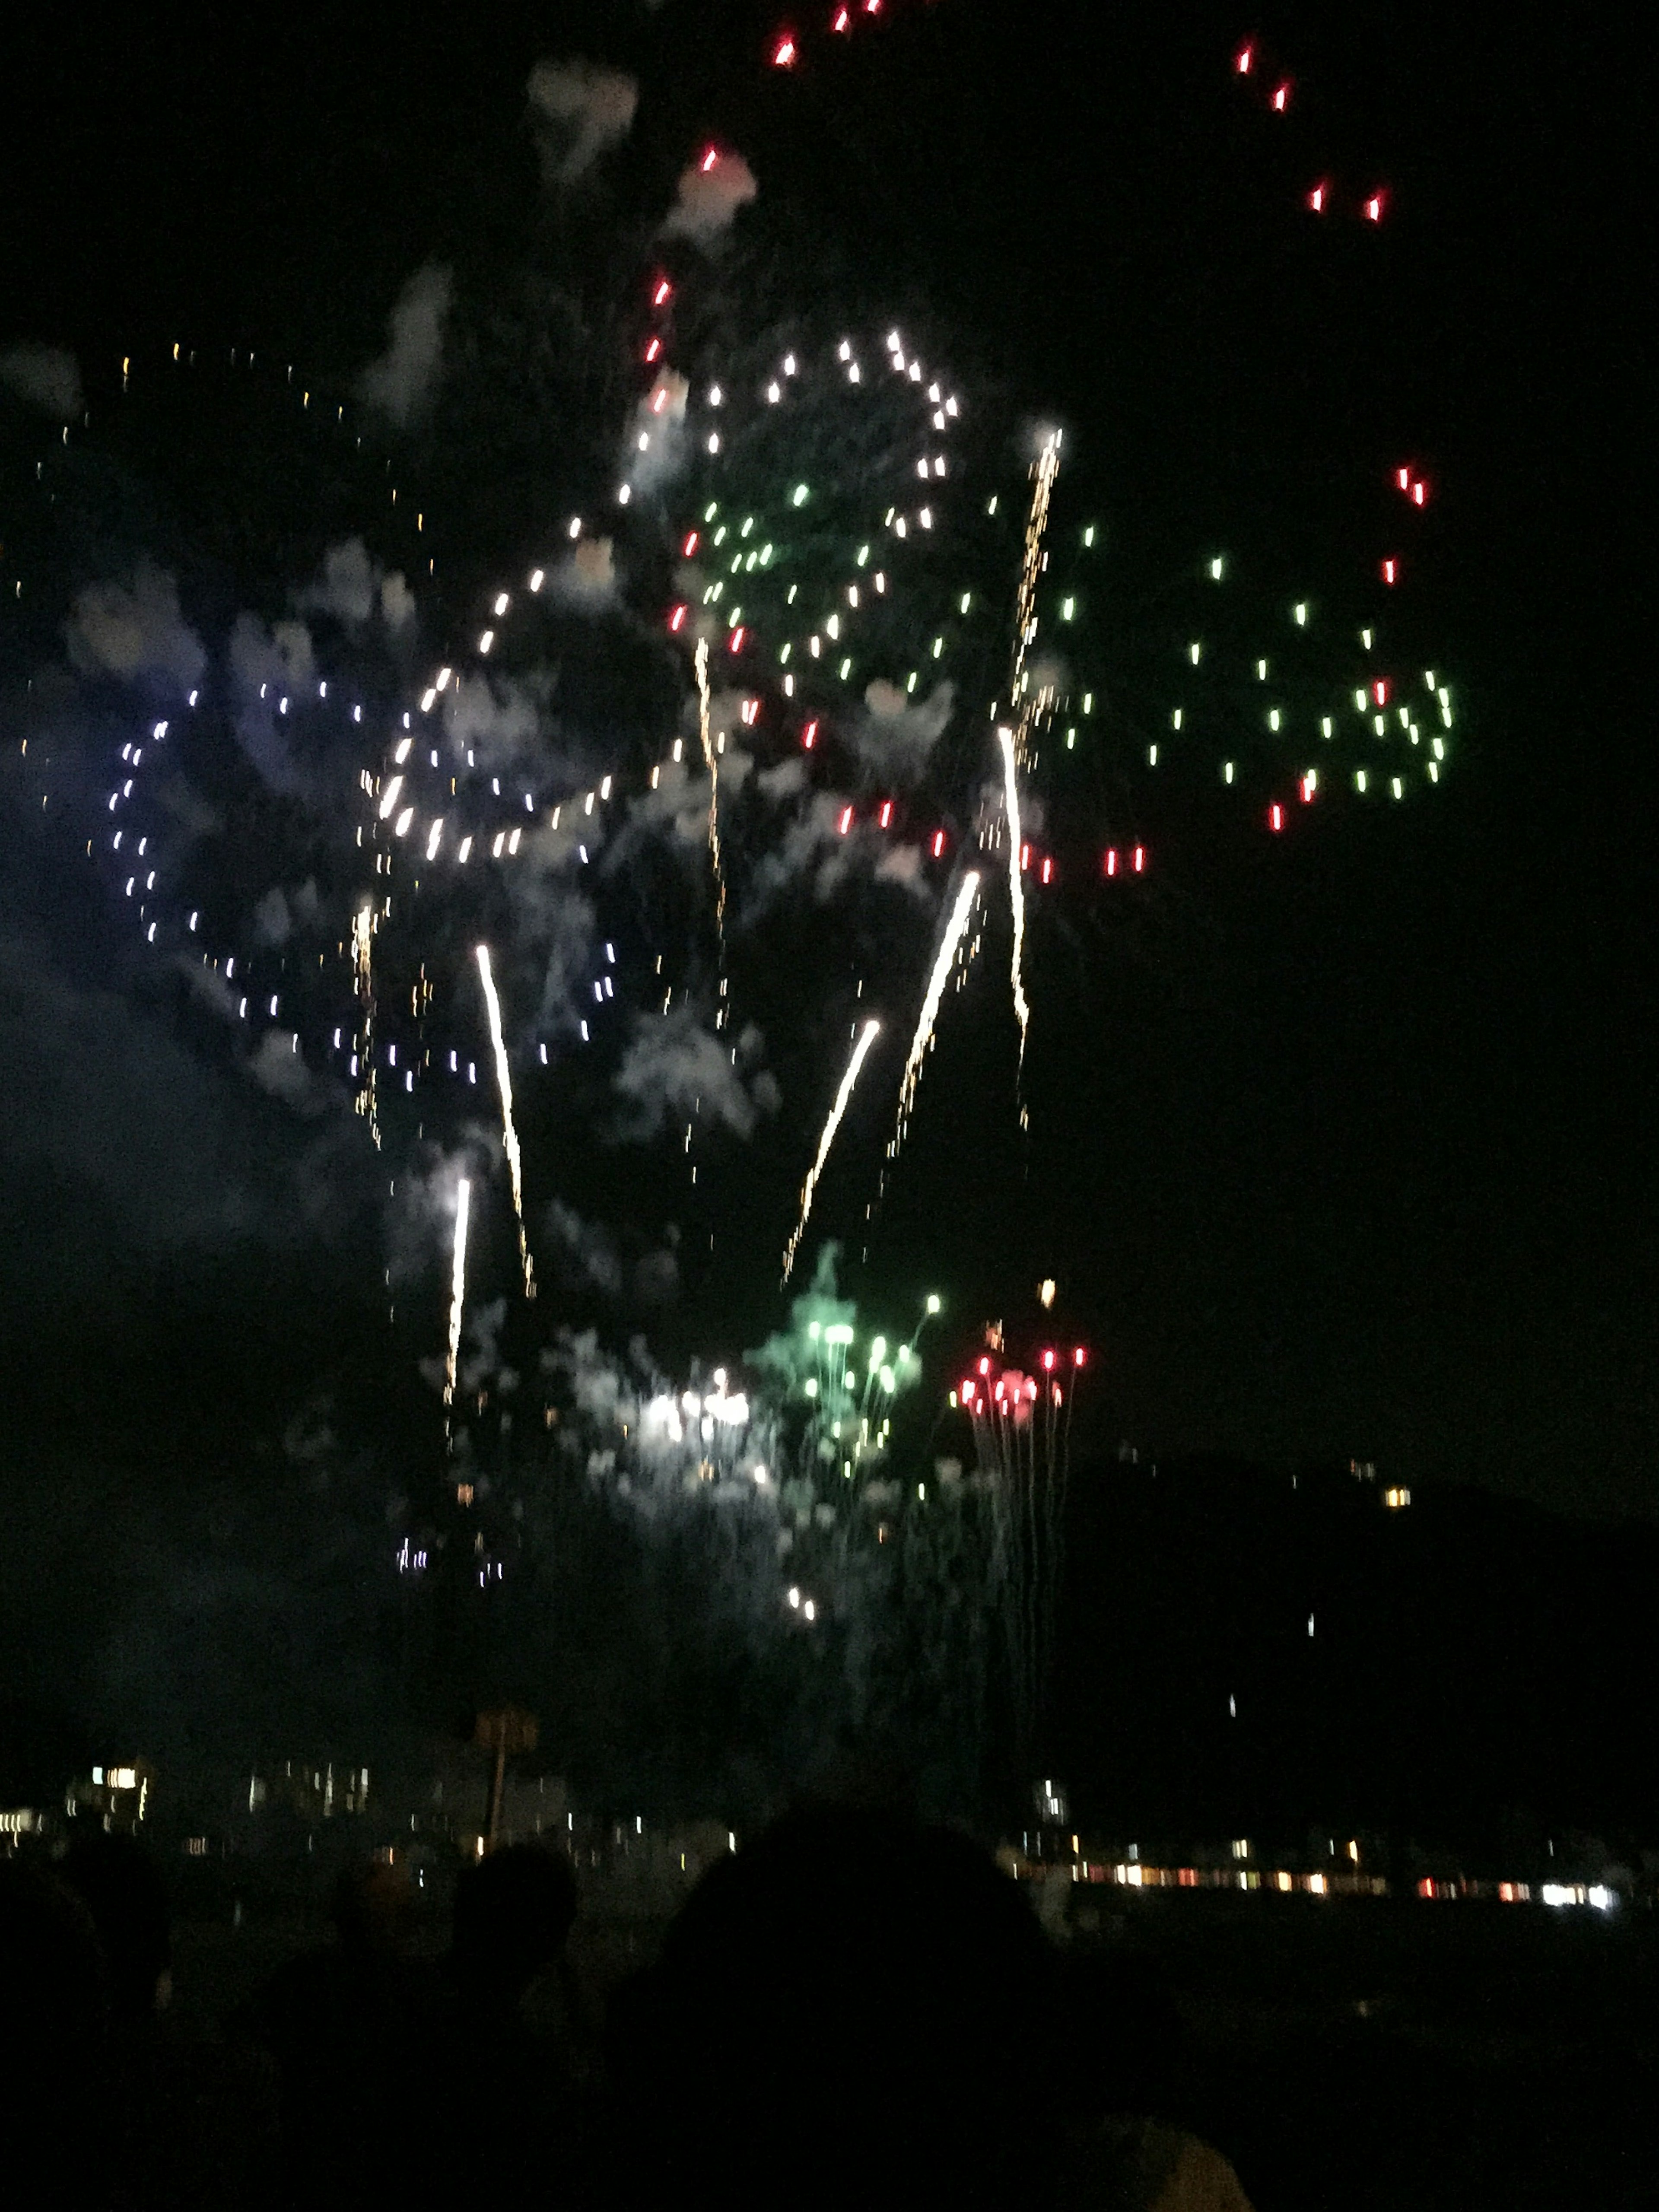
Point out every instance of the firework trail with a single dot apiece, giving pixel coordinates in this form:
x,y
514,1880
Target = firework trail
x,y
1016,888
712,763
458,1287
1047,467
1022,1436
929,1005
867,1036
362,979
509,1134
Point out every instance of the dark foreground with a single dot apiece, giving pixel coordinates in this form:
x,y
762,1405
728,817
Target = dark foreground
x,y
1364,2052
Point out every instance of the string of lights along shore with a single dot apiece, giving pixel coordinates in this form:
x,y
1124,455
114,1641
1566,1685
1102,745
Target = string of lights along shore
x,y
885,659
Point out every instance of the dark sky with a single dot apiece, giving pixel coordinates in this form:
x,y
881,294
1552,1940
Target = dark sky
x,y
1339,1148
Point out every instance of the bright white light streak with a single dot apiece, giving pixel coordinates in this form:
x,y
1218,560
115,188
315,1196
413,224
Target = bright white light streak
x,y
929,1005
867,1036
509,1134
1016,888
457,1286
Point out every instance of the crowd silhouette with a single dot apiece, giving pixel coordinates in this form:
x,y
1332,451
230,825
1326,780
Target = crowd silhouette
x,y
856,2008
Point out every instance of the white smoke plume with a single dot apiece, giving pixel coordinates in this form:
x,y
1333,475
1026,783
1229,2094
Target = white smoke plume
x,y
587,1251
135,631
709,195
588,579
586,108
269,665
43,376
402,381
656,437
278,1065
893,736
352,587
498,720
674,1072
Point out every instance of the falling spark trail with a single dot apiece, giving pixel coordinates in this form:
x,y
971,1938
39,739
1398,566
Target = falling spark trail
x,y
509,1134
1016,888
930,1004
867,1036
457,1286
712,762
362,966
1044,473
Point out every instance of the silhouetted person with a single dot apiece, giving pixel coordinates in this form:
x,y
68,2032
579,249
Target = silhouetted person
x,y
1118,2052
509,2125
117,1880
55,2122
855,2009
351,2029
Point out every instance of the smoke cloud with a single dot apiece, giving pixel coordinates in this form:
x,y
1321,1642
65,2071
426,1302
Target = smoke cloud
x,y
710,193
353,587
135,631
894,736
675,1071
43,376
585,108
402,381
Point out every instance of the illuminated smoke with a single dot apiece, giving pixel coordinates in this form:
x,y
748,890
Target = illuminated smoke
x,y
929,1005
509,1134
867,1036
457,1286
1016,888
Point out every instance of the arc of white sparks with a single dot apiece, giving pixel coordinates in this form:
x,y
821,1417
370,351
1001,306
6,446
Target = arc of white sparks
x,y
457,1286
1016,887
509,1134
867,1036
929,1005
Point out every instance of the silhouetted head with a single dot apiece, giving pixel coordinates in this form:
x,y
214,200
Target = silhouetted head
x,y
54,2015
117,1880
513,1912
851,2010
372,1908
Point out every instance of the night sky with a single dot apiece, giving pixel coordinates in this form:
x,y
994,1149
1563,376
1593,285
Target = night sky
x,y
1340,1142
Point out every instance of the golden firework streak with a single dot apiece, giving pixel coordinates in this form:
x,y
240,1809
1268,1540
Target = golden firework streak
x,y
457,1286
929,1005
867,1036
1025,707
1016,888
509,1134
363,982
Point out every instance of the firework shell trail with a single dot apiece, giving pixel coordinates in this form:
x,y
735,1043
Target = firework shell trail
x,y
949,947
362,977
1016,889
867,1036
457,1287
1021,705
509,1131
712,762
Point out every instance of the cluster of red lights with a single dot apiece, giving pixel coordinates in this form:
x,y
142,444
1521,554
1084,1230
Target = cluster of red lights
x,y
986,1392
1320,197
786,45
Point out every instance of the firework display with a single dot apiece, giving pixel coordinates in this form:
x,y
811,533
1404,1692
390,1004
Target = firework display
x,y
777,676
